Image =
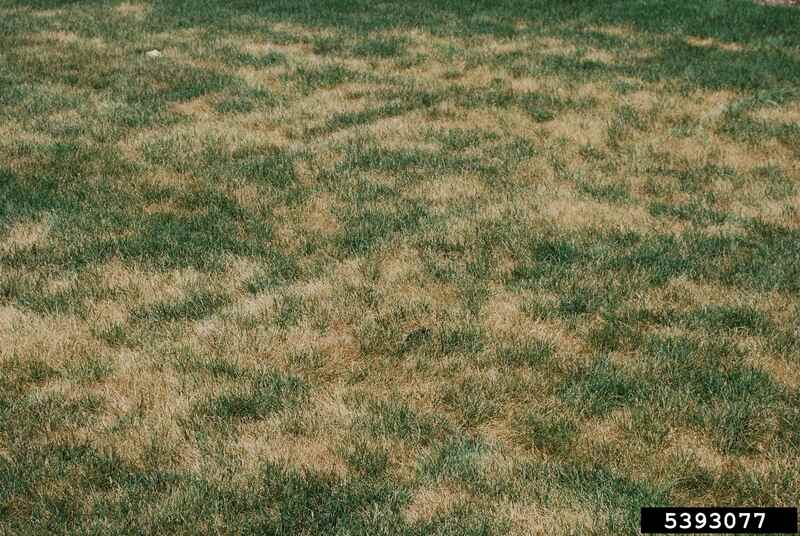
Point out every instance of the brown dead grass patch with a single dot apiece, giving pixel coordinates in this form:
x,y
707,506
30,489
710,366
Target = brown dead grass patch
x,y
62,37
768,211
446,189
643,100
608,429
265,48
400,265
157,399
327,420
319,216
107,313
161,177
198,107
706,105
143,287
686,294
779,114
338,344
13,133
779,368
431,501
399,132
689,444
553,45
54,340
534,84
532,520
616,31
264,79
600,56
579,128
504,316
708,148
567,210
25,234
505,122
709,42
260,444
480,77
128,9
232,133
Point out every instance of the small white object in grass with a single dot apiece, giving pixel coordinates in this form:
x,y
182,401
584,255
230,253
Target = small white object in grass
x,y
153,53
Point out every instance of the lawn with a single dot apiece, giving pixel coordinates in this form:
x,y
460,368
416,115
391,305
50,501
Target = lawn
x,y
420,267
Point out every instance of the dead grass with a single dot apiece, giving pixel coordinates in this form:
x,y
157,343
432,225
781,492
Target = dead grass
x,y
440,202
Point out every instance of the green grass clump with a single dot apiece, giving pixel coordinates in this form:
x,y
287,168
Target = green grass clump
x,y
265,395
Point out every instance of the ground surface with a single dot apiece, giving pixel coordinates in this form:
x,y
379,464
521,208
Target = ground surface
x,y
358,268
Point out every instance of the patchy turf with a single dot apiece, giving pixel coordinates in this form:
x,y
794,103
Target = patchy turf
x,y
424,267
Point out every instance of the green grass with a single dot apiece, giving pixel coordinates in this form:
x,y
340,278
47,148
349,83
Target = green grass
x,y
266,395
412,268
